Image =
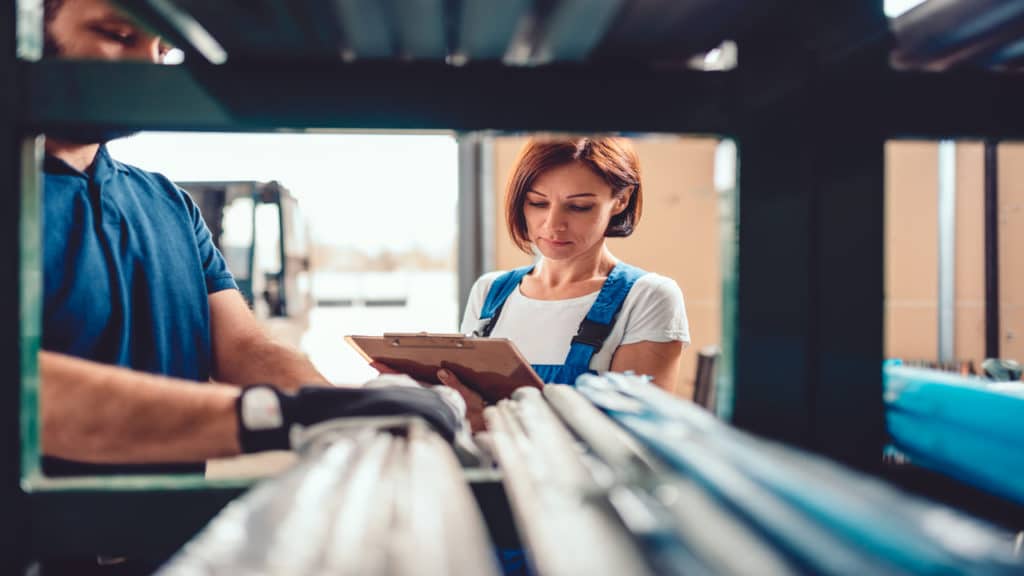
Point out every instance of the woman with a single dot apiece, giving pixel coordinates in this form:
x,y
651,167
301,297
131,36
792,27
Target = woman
x,y
578,309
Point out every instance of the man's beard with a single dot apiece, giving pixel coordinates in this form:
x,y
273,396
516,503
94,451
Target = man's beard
x,y
88,134
51,48
79,135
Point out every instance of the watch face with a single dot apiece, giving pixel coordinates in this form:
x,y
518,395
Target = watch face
x,y
261,409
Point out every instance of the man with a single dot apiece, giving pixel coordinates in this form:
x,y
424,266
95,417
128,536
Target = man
x,y
110,415
132,275
132,279
141,312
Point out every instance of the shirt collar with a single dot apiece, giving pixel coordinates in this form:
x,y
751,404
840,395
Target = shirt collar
x,y
103,166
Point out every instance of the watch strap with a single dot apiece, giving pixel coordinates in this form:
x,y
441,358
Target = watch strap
x,y
263,419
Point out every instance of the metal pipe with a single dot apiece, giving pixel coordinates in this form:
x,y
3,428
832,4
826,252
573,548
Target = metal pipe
x,y
565,518
619,450
383,497
947,252
684,529
829,518
943,33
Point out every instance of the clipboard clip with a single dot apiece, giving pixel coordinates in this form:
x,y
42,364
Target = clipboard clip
x,y
427,340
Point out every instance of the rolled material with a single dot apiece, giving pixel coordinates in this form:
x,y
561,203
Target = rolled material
x,y
375,497
941,34
564,517
966,427
682,528
824,517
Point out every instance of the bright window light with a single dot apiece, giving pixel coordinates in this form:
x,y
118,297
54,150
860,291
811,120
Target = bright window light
x,y
894,8
174,56
712,57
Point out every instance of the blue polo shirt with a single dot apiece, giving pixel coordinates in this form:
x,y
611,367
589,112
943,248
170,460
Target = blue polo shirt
x,y
128,265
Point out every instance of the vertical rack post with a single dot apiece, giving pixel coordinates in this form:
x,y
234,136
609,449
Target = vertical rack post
x,y
13,501
810,252
991,249
476,212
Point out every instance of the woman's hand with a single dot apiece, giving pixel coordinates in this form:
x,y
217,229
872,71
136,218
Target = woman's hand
x,y
383,368
474,402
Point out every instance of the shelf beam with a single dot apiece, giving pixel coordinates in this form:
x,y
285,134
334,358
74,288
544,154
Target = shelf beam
x,y
241,96
427,96
143,524
960,104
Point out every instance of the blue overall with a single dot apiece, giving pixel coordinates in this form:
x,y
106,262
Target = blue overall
x,y
593,330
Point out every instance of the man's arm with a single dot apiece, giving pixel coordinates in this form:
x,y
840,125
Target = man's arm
x,y
243,354
103,414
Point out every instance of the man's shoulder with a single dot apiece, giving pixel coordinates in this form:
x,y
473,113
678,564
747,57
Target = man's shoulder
x,y
154,178
153,182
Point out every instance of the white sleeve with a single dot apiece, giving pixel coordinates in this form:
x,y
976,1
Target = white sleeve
x,y
475,302
658,313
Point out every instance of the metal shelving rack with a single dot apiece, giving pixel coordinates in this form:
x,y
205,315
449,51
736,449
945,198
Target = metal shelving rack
x,y
811,104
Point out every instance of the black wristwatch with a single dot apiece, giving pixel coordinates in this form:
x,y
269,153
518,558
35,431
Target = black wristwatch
x,y
263,421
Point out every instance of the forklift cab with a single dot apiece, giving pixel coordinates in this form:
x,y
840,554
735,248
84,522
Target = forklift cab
x,y
260,230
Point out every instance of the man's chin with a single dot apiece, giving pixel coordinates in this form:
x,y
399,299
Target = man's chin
x,y
87,136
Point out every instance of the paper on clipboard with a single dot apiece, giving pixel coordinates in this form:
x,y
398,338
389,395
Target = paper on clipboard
x,y
491,366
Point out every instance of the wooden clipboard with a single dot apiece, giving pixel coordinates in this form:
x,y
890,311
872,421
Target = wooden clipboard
x,y
491,366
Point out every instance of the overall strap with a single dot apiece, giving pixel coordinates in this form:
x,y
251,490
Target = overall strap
x,y
499,291
597,325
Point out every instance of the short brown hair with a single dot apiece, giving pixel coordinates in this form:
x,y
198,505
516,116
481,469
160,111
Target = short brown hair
x,y
50,9
613,159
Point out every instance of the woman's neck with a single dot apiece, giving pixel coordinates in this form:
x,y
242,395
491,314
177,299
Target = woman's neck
x,y
588,267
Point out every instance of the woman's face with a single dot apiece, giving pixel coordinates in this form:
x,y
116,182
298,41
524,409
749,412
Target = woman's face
x,y
567,211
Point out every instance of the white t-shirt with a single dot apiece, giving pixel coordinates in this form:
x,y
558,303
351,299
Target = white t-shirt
x,y
543,329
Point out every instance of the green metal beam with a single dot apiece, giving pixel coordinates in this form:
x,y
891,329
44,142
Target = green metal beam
x,y
238,97
149,524
12,499
811,144
485,29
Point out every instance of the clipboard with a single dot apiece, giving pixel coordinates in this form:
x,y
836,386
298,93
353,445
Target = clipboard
x,y
493,367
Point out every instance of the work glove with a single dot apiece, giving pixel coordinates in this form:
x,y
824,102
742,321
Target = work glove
x,y
267,416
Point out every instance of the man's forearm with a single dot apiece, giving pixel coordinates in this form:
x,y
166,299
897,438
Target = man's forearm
x,y
260,360
97,413
243,353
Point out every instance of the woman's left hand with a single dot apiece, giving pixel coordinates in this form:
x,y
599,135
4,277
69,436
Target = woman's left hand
x,y
383,368
474,402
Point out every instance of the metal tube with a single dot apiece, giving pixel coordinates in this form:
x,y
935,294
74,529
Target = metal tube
x,y
566,521
685,530
943,33
947,252
622,452
358,521
386,497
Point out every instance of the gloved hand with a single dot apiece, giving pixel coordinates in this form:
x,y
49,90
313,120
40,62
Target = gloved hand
x,y
450,396
266,415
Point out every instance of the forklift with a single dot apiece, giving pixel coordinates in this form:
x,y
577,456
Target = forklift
x,y
260,230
